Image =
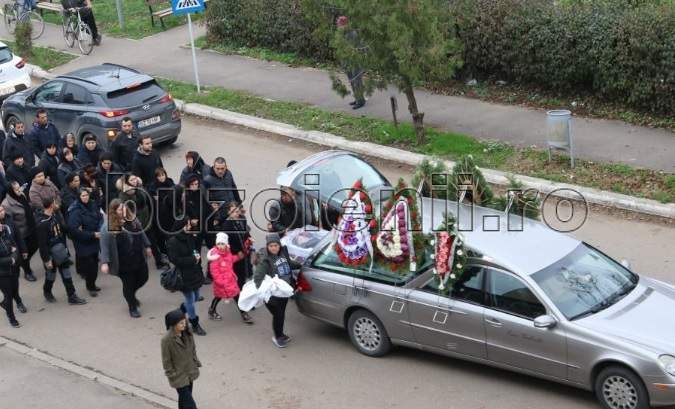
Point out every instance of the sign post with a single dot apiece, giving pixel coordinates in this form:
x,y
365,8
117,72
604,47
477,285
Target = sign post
x,y
181,7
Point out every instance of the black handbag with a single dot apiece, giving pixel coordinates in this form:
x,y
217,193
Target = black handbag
x,y
60,255
171,279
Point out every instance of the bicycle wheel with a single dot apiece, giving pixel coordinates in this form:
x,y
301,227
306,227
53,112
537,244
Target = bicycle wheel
x,y
85,39
69,32
9,15
37,22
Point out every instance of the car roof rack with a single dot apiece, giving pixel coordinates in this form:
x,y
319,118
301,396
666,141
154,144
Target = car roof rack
x,y
69,77
121,66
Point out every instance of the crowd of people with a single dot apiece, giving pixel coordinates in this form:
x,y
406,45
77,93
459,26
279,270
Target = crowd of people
x,y
119,208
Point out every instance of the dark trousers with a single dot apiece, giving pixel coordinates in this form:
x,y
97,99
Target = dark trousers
x,y
88,17
154,236
31,243
87,268
66,277
132,281
277,307
185,400
356,81
9,286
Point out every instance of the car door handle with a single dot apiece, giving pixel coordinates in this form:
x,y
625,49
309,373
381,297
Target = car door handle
x,y
494,322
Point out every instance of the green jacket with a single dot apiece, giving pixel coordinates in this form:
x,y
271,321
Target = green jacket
x,y
179,358
265,267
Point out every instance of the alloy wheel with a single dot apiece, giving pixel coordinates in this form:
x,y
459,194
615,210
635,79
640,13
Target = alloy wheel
x,y
619,393
367,334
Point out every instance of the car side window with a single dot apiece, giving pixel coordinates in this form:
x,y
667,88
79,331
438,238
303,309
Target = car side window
x,y
509,294
49,93
75,95
469,287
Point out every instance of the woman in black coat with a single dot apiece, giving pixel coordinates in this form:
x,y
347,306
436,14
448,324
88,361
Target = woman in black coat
x,y
185,257
49,162
67,165
17,206
8,280
84,223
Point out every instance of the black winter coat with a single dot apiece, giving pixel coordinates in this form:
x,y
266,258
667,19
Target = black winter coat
x,y
68,197
107,182
87,157
41,136
19,174
21,144
83,222
123,149
144,166
181,248
7,257
65,168
50,165
211,181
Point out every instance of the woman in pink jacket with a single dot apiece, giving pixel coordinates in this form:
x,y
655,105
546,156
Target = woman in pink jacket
x,y
221,262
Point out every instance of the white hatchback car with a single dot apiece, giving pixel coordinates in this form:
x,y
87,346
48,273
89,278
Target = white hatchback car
x,y
14,73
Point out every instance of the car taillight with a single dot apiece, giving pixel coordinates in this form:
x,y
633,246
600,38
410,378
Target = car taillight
x,y
302,284
113,114
166,98
175,115
21,64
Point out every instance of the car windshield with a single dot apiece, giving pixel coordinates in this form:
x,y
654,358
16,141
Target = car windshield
x,y
131,97
337,173
585,282
5,55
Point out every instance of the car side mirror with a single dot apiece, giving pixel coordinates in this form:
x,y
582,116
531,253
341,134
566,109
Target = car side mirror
x,y
545,321
625,263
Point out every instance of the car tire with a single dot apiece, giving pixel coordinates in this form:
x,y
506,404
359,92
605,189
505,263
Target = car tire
x,y
9,123
368,334
617,387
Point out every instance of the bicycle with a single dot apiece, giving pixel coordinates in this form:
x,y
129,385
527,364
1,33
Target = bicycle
x,y
21,12
76,29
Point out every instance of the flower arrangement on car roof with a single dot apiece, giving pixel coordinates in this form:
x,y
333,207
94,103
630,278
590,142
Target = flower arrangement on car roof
x,y
399,240
449,253
355,228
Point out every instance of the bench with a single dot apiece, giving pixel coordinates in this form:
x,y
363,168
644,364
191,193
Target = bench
x,y
160,14
49,6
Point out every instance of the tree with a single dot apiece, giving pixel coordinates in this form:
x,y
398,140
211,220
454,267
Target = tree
x,y
24,42
404,43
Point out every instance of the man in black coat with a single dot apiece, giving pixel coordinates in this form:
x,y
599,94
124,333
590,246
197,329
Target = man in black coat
x,y
125,144
220,183
17,142
44,133
145,162
19,172
50,163
51,233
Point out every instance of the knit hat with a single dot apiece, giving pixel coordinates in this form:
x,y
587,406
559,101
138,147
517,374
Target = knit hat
x,y
222,237
36,171
88,138
273,238
173,317
15,155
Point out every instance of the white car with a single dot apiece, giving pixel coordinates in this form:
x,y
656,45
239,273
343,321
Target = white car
x,y
14,73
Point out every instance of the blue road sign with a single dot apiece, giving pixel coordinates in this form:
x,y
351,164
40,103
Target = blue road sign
x,y
181,7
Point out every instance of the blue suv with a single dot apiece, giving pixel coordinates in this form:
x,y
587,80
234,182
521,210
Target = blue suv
x,y
93,100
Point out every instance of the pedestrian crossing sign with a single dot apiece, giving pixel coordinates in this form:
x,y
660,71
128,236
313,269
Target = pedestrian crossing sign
x,y
181,7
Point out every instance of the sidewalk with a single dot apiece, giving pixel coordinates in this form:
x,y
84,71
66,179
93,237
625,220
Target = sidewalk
x,y
163,55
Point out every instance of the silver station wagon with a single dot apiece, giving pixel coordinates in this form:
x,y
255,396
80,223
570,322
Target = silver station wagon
x,y
533,301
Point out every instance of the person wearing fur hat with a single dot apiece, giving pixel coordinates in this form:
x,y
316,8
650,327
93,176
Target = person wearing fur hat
x,y
42,189
90,152
221,261
274,260
179,358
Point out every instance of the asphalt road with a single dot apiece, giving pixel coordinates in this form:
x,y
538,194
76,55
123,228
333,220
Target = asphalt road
x,y
242,369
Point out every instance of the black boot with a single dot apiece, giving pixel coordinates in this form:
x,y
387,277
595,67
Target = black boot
x,y
30,276
182,308
75,300
47,291
196,328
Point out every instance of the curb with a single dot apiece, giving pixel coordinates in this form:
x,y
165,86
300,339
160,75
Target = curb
x,y
92,375
561,190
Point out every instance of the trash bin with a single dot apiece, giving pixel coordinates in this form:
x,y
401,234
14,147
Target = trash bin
x,y
559,132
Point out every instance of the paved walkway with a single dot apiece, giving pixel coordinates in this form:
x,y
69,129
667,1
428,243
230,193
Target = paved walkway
x,y
163,55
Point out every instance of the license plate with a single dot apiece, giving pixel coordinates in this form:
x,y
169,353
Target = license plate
x,y
150,121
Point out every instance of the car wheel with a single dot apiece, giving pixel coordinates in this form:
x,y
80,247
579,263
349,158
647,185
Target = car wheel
x,y
10,122
368,334
617,387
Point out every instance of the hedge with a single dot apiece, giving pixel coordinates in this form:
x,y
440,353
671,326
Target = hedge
x,y
622,50
275,24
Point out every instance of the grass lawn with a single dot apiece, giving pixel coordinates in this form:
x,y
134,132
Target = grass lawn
x,y
616,177
260,53
46,58
136,18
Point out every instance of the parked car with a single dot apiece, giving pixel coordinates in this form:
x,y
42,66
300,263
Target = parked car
x,y
14,75
93,100
324,178
533,301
